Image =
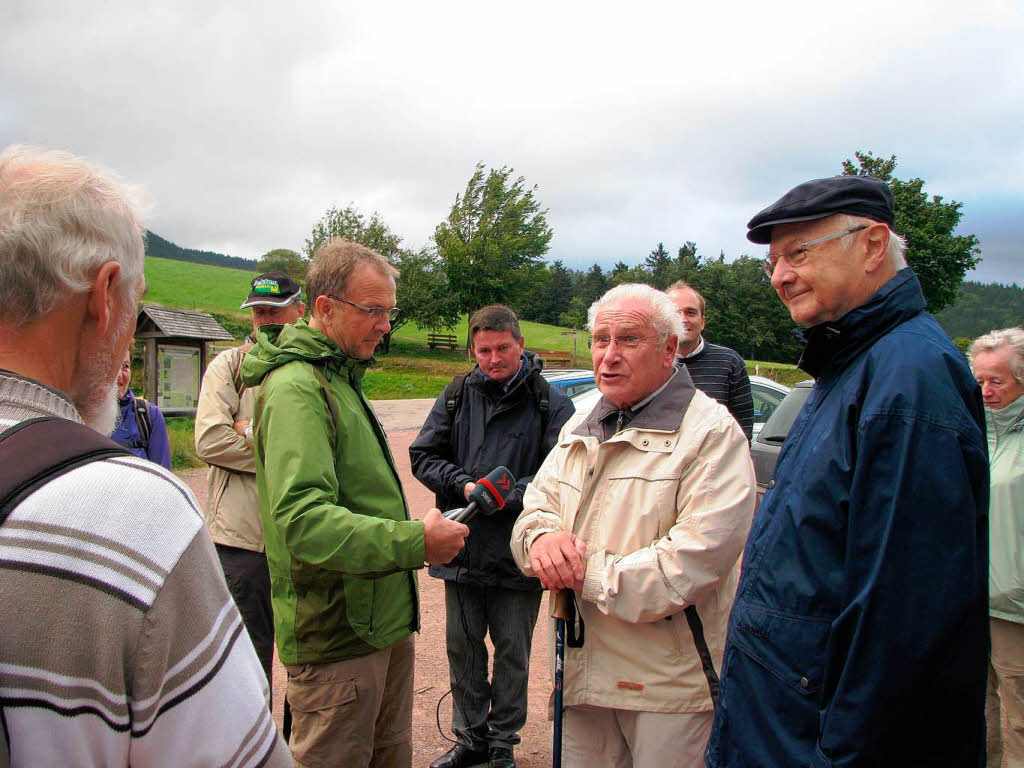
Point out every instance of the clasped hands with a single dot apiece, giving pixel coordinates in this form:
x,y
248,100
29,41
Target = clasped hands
x,y
558,559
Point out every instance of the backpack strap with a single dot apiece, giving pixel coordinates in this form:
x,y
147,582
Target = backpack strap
x,y
541,389
38,450
144,421
453,394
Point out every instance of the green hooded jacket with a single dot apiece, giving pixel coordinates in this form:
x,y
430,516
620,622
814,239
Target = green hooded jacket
x,y
340,544
1006,511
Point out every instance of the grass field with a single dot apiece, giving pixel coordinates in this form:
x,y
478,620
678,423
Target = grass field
x,y
185,285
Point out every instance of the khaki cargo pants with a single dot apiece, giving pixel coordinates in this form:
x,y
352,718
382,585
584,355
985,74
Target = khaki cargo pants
x,y
355,713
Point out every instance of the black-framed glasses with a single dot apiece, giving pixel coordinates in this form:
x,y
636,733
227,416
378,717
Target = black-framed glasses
x,y
798,254
391,313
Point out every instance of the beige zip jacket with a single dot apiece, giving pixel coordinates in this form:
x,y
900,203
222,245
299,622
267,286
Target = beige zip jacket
x,y
232,503
664,507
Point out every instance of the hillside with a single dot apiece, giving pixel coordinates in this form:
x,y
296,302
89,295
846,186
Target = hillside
x,y
982,307
165,249
219,290
196,286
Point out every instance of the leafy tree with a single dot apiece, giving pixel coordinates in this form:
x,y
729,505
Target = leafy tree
x,y
495,231
939,258
423,295
285,260
576,315
352,225
421,287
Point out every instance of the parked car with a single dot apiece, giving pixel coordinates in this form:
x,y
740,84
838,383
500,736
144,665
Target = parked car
x,y
764,450
767,395
572,381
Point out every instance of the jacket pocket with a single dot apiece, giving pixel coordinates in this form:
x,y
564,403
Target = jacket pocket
x,y
775,663
359,605
791,648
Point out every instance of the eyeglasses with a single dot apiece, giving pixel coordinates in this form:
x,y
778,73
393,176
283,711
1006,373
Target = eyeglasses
x,y
391,313
602,341
798,255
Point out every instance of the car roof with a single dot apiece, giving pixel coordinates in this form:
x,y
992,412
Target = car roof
x,y
558,374
770,383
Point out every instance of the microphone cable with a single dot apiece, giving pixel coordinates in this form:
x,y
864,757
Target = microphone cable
x,y
470,660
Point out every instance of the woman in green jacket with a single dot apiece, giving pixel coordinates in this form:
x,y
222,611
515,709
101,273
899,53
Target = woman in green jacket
x,y
998,363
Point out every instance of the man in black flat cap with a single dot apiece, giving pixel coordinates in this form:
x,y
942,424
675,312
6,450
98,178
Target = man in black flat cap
x,y
859,635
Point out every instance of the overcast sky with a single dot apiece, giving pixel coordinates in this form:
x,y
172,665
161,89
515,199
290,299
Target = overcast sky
x,y
639,122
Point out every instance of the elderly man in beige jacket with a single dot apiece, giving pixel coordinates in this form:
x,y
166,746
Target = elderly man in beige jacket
x,y
224,441
642,509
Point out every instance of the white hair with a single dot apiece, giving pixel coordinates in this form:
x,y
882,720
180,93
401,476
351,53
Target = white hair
x,y
664,314
896,250
61,218
1011,338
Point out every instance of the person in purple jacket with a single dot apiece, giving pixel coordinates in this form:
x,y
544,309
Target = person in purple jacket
x,y
146,438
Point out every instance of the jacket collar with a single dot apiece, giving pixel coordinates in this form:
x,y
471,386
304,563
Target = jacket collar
x,y
1008,419
531,364
830,346
664,412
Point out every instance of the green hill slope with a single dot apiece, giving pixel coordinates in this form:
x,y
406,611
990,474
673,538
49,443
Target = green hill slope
x,y
186,285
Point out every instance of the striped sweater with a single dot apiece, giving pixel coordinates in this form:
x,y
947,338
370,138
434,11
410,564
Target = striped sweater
x,y
120,643
721,374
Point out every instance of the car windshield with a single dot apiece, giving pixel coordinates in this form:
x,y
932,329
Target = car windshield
x,y
777,427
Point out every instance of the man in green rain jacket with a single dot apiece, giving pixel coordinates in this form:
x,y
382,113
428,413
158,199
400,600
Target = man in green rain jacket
x,y
340,543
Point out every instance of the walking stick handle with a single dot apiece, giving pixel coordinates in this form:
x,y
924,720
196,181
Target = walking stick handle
x,y
561,604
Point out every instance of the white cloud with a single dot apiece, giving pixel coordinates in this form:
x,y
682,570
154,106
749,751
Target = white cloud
x,y
639,123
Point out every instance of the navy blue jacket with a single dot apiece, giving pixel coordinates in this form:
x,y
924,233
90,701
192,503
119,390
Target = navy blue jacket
x,y
491,428
859,634
127,432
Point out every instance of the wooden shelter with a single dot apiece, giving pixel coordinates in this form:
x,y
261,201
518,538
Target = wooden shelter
x,y
175,355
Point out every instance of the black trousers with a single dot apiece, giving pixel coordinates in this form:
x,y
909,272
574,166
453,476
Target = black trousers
x,y
248,579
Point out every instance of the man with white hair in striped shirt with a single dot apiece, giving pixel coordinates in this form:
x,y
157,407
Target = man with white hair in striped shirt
x,y
121,645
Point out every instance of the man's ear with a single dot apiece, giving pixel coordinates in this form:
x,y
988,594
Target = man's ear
x,y
321,306
670,346
102,307
876,239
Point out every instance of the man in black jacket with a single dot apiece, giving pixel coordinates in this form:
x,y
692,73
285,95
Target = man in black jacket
x,y
503,413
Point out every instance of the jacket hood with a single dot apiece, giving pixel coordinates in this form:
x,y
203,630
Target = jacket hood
x,y
831,345
277,345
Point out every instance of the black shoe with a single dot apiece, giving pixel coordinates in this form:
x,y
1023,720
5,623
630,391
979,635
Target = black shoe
x,y
501,757
460,756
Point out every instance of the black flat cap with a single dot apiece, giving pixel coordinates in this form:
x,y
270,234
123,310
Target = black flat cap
x,y
273,289
856,195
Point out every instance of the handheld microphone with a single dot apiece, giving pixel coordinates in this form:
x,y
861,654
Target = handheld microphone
x,y
486,497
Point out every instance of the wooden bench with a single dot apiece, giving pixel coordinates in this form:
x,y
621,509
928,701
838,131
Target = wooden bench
x,y
435,340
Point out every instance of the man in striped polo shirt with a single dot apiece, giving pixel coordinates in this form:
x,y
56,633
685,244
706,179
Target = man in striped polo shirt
x,y
719,372
120,644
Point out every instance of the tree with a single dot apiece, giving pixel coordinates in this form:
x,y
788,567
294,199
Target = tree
x,y
659,264
422,285
576,316
495,231
350,224
939,258
285,260
592,286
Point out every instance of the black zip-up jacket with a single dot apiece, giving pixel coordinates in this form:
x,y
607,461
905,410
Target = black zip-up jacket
x,y
491,428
